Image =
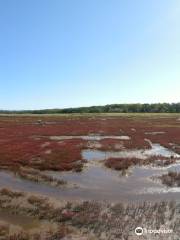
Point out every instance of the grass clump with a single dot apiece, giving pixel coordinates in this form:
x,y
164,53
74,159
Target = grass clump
x,y
171,179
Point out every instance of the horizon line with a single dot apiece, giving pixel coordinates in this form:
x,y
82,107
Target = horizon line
x,y
89,106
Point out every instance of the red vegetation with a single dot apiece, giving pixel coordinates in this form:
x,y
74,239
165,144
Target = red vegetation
x,y
121,164
125,163
25,140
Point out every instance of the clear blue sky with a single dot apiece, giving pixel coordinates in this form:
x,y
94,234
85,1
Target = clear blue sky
x,y
63,53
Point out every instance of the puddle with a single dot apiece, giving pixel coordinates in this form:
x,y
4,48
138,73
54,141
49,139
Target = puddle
x,y
154,133
161,190
156,150
99,183
89,137
26,222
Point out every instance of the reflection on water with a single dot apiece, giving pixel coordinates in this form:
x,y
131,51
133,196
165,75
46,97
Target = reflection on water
x,y
89,137
156,150
96,182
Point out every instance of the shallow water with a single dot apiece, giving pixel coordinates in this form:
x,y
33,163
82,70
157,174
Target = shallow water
x,y
156,150
99,183
89,137
96,182
154,133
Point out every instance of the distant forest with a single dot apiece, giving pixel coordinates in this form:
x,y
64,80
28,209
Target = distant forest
x,y
112,108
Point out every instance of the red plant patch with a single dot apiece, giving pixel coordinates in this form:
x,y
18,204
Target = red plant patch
x,y
23,139
121,164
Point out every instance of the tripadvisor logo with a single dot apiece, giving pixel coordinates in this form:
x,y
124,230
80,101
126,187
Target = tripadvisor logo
x,y
140,231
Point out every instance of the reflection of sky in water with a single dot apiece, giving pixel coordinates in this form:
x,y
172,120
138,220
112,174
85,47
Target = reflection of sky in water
x,y
156,150
90,137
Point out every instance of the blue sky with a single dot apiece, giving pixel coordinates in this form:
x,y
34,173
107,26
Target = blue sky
x,y
66,53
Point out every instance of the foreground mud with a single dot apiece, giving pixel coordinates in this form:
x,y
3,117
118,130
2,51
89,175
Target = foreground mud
x,y
89,219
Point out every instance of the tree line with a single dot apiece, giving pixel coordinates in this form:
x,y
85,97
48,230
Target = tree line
x,y
112,108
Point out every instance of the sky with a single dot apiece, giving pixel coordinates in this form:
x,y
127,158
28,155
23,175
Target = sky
x,y
70,53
